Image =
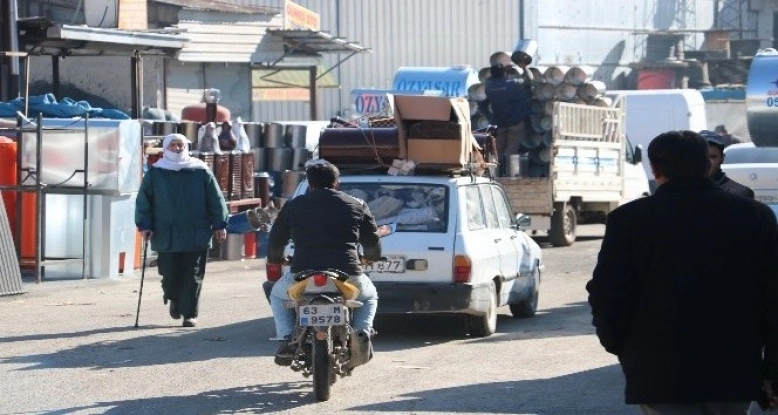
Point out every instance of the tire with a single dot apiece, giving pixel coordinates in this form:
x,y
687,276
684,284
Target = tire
x,y
321,370
485,325
564,222
528,307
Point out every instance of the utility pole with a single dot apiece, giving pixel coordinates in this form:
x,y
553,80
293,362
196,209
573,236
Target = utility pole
x,y
9,42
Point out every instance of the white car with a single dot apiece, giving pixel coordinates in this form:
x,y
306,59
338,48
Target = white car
x,y
457,248
755,167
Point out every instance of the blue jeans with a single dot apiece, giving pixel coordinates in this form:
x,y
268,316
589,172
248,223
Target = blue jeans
x,y
285,317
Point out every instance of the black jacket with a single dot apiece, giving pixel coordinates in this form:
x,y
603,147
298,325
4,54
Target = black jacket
x,y
325,225
732,186
684,293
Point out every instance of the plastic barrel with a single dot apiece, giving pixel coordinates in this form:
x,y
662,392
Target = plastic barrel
x,y
242,222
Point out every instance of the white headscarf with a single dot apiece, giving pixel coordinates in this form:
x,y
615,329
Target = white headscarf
x,y
171,160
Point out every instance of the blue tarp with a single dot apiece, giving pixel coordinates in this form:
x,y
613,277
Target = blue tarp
x,y
48,107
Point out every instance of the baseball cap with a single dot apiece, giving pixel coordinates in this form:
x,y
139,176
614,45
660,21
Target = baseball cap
x,y
712,138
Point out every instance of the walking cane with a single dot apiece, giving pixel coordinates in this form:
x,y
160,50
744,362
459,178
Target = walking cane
x,y
142,274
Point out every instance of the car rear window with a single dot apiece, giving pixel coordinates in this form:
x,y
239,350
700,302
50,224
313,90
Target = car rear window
x,y
751,155
413,207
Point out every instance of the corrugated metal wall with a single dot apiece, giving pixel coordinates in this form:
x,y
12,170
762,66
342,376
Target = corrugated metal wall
x,y
450,32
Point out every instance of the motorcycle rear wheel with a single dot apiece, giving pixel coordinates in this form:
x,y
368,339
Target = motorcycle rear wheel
x,y
321,370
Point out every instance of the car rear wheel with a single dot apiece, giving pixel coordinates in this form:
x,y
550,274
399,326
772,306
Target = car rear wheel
x,y
485,325
529,306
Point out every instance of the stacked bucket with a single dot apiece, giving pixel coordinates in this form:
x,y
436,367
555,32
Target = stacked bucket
x,y
547,85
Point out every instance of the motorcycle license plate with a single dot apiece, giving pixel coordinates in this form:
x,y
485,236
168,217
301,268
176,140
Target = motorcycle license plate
x,y
392,264
322,315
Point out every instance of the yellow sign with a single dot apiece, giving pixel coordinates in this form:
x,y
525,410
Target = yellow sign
x,y
298,17
280,94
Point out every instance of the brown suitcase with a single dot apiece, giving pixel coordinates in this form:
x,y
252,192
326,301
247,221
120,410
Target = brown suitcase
x,y
362,147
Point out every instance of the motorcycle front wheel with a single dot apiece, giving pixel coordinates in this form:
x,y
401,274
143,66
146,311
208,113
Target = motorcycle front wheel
x,y
321,369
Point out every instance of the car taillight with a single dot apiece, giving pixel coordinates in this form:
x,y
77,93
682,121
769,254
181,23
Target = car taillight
x,y
320,280
462,268
274,271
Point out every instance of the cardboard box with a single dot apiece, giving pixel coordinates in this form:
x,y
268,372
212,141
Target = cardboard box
x,y
454,150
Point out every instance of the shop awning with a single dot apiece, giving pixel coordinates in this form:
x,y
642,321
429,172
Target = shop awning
x,y
290,78
315,42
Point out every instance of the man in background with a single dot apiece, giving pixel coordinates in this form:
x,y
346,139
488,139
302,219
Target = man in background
x,y
716,146
510,103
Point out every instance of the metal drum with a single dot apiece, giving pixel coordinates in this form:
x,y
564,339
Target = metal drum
x,y
590,90
295,135
566,92
578,75
254,131
163,128
235,176
263,186
524,51
545,91
555,74
189,129
477,92
292,179
279,159
299,157
274,135
247,176
260,158
500,58
512,165
484,74
221,170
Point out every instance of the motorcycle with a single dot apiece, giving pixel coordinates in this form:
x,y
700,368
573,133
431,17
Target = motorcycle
x,y
326,346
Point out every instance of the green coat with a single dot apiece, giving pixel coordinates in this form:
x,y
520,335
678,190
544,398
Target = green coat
x,y
182,208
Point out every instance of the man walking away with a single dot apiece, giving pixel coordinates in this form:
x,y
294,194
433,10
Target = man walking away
x,y
684,290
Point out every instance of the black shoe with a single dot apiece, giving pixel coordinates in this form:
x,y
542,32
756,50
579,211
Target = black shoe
x,y
190,322
174,310
285,353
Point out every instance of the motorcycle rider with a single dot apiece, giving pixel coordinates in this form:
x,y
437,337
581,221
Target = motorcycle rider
x,y
325,226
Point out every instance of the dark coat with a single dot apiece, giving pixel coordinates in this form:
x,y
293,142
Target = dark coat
x,y
685,294
183,208
326,226
510,101
732,186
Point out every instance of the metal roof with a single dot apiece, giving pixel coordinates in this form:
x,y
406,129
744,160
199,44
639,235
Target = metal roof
x,y
219,6
315,42
41,35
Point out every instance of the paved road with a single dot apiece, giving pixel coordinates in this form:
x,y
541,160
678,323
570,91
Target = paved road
x,y
70,347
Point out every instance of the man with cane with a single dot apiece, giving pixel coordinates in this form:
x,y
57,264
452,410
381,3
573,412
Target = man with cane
x,y
179,209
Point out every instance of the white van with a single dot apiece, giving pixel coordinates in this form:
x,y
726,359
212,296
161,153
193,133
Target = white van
x,y
651,112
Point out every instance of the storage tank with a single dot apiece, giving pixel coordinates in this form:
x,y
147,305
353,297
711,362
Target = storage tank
x,y
762,99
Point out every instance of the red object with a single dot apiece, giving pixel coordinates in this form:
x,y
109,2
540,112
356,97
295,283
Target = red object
x,y
320,280
250,245
8,178
197,113
273,271
462,269
656,79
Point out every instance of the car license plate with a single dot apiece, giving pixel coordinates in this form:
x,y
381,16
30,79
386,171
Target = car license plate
x,y
322,315
392,264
